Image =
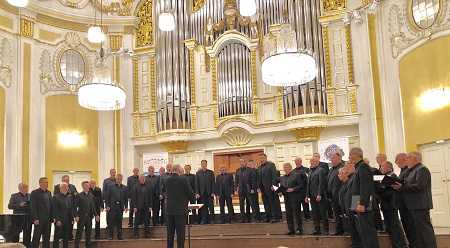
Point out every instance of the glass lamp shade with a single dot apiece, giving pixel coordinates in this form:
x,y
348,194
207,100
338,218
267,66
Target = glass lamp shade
x,y
166,21
288,69
247,7
95,34
18,3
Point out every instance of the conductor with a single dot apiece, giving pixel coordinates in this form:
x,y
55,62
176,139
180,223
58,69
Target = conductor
x,y
179,193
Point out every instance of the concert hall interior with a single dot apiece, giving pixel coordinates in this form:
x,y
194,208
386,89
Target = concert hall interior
x,y
87,86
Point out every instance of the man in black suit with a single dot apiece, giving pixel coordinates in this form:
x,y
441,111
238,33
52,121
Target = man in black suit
x,y
131,182
364,187
406,215
99,206
293,187
267,176
141,204
333,187
389,207
71,191
108,181
179,193
380,158
224,192
322,165
84,212
116,202
254,195
153,181
162,180
316,193
417,195
299,168
62,204
243,186
204,189
41,213
20,204
347,202
191,179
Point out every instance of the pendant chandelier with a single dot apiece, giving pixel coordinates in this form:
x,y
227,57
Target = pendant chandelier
x,y
101,93
166,20
247,7
286,65
18,3
95,32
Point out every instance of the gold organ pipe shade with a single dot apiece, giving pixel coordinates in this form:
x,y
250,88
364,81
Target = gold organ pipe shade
x,y
237,136
307,133
176,146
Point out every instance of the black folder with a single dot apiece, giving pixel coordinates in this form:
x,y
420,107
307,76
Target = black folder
x,y
388,181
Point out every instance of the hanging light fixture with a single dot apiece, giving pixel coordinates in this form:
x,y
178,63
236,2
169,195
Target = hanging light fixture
x,y
95,32
247,7
101,92
18,3
166,20
287,65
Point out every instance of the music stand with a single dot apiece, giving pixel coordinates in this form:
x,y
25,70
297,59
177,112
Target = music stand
x,y
191,207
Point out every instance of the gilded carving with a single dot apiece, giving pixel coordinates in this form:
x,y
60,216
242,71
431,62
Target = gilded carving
x,y
175,145
144,33
115,43
136,126
115,8
237,136
6,62
280,109
348,44
197,5
136,84
215,117
214,78
152,82
153,120
326,43
333,5
26,28
353,101
254,78
72,39
192,75
78,4
45,78
193,119
330,103
307,133
255,112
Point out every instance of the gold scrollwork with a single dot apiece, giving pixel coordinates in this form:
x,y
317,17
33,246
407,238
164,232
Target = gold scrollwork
x,y
353,100
114,7
152,82
255,112
175,145
254,78
144,33
115,42
197,5
153,120
348,41
307,133
192,75
193,119
280,109
333,5
214,78
136,84
330,103
136,126
26,28
215,117
326,43
237,136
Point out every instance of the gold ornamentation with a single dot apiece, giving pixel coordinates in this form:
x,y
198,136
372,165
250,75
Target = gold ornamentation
x,y
114,7
72,39
144,33
26,28
307,133
348,44
193,120
214,78
254,79
365,2
136,84
197,5
152,82
175,146
255,112
327,55
330,103
237,136
280,109
192,75
136,126
353,100
115,42
215,117
333,5
330,17
153,120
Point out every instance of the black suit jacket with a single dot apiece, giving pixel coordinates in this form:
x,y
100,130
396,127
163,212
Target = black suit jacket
x,y
179,193
14,203
325,167
162,180
191,178
153,182
39,209
108,181
117,194
388,195
301,169
417,188
255,179
85,206
244,180
317,184
224,185
98,197
205,183
61,211
333,181
348,194
131,181
404,172
267,176
141,196
342,195
297,181
363,183
71,191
